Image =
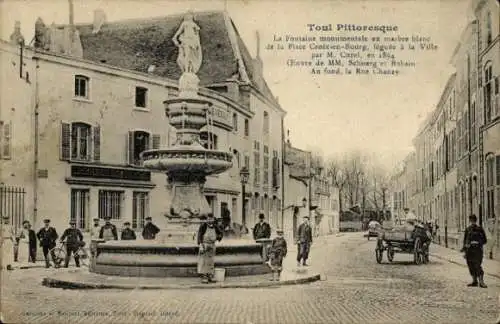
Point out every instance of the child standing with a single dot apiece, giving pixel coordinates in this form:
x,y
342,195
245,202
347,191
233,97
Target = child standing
x,y
277,252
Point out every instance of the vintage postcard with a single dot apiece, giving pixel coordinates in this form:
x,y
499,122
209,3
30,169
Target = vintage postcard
x,y
250,161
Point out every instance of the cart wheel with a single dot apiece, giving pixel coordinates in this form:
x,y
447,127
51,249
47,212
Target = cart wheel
x,y
390,254
59,255
417,251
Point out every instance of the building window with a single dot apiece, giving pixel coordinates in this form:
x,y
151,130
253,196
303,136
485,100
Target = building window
x,y
256,163
235,122
488,90
489,37
5,140
209,140
247,161
276,170
138,142
141,97
80,142
140,208
82,86
247,128
473,126
110,204
266,166
266,122
80,207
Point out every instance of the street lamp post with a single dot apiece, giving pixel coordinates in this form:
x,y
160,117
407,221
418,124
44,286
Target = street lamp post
x,y
244,174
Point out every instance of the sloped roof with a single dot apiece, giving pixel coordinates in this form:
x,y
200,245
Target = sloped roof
x,y
139,43
299,161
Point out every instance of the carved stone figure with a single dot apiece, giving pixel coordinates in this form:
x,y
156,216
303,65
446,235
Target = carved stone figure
x,y
16,37
187,39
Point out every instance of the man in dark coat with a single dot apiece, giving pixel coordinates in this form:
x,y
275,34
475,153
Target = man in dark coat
x,y
47,236
261,229
32,243
474,240
74,240
150,230
304,241
226,217
127,232
108,231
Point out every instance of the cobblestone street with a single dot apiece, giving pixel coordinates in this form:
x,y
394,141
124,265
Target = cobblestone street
x,y
355,290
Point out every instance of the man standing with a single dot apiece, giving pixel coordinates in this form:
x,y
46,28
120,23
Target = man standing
x,y
108,231
127,233
304,241
7,239
74,239
32,244
48,237
150,230
95,230
261,229
474,240
226,217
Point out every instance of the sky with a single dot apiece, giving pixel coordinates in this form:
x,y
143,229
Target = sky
x,y
326,113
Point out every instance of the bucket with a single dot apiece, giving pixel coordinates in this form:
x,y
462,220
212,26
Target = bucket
x,y
219,274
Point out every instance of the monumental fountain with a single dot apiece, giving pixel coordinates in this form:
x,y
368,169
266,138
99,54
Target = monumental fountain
x,y
187,164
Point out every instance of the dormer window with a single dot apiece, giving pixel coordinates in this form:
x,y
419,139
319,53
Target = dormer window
x,y
81,86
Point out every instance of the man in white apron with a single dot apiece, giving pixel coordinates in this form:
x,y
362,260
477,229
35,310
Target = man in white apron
x,y
7,241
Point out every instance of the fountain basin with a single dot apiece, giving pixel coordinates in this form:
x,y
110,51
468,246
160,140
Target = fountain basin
x,y
187,159
155,259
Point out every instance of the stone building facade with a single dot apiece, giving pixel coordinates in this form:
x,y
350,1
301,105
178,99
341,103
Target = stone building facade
x,y
84,106
457,148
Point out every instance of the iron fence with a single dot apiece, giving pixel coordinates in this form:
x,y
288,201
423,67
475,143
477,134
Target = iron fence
x,y
12,204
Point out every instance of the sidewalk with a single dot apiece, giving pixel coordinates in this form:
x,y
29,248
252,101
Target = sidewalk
x,y
491,267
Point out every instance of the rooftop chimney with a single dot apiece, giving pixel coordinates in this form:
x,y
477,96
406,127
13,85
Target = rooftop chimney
x,y
71,20
99,20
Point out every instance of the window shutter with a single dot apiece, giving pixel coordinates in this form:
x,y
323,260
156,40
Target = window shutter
x,y
7,141
1,137
97,143
65,145
156,142
130,148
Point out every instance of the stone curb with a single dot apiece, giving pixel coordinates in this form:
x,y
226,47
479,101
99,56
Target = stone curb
x,y
67,284
463,265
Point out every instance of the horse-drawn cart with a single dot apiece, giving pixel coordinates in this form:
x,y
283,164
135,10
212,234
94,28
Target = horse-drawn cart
x,y
408,238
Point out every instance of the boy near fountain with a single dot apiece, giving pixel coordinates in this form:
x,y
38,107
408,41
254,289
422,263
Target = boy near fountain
x,y
208,234
277,252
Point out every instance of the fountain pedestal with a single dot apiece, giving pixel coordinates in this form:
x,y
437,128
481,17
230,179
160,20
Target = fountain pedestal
x,y
187,163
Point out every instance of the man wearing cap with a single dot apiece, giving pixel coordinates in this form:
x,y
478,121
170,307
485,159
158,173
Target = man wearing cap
x,y
474,240
127,232
47,236
150,230
108,231
277,252
74,239
304,241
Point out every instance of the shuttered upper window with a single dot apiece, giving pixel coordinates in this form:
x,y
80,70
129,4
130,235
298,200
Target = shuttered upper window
x,y
5,140
139,141
80,142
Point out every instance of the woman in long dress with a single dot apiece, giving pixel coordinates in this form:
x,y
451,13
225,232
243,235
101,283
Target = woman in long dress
x,y
23,244
208,233
7,242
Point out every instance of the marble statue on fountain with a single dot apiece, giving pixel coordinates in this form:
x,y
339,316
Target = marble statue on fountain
x,y
187,40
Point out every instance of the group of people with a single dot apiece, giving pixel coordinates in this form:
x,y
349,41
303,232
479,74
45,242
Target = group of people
x,y
21,247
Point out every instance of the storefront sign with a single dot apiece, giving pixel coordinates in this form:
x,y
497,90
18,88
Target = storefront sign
x,y
83,171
